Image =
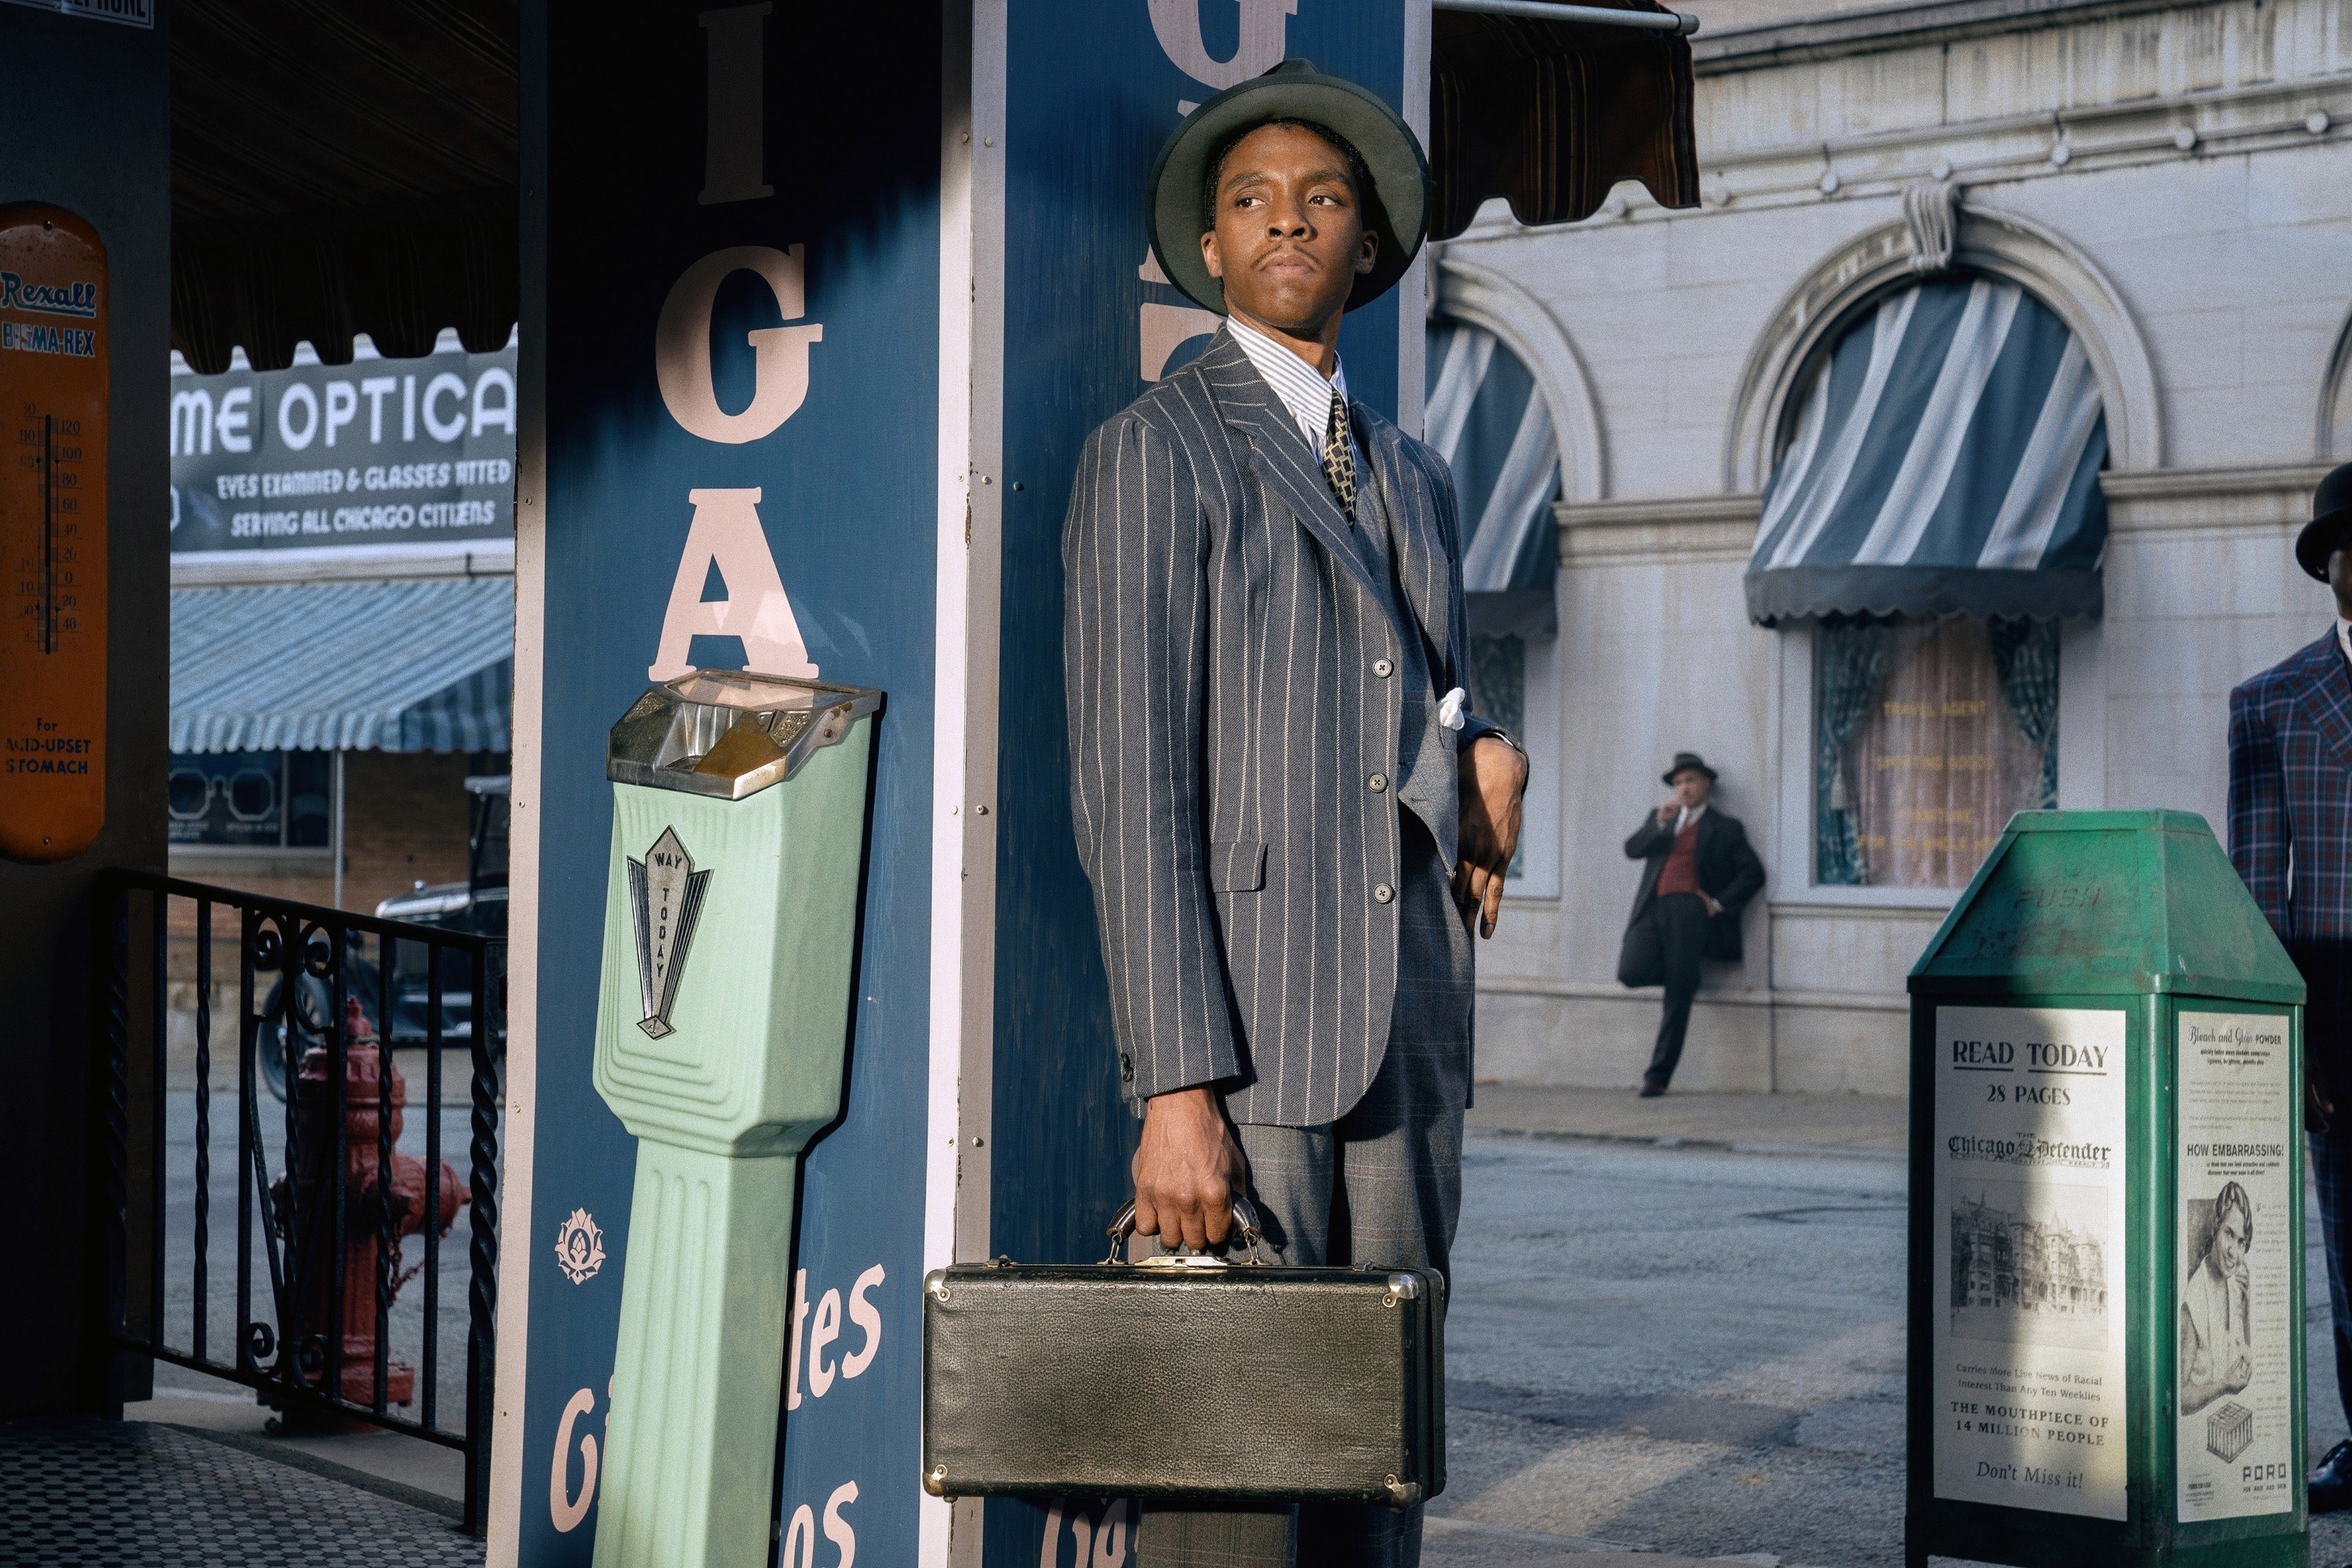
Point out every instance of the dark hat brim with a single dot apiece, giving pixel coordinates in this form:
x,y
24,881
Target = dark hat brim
x,y
1668,777
1293,90
2320,538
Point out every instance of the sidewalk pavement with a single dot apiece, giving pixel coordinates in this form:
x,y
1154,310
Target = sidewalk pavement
x,y
419,1474
1854,1124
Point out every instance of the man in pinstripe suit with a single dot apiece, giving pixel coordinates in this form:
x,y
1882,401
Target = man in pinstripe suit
x,y
1290,816
2291,839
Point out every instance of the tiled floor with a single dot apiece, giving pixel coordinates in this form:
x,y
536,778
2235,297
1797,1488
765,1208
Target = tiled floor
x,y
83,1494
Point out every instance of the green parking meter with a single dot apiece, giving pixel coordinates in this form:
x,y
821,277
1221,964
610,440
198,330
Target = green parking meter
x,y
730,913
2107,1347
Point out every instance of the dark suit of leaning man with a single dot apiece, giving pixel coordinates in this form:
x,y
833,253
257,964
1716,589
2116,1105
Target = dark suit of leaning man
x,y
1290,818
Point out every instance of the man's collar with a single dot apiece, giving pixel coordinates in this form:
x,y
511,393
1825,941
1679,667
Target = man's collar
x,y
1303,391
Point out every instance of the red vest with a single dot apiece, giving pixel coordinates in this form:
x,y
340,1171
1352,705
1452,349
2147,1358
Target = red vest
x,y
1680,873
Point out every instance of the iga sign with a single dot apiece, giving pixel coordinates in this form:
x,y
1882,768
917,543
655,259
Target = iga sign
x,y
374,452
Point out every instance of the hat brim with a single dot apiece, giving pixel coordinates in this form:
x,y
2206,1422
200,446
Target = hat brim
x,y
1399,213
2320,538
1669,776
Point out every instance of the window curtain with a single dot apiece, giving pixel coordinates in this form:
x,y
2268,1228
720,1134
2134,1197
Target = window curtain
x,y
1851,658
2025,656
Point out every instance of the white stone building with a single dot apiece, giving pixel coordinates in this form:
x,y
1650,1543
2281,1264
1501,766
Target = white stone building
x,y
2174,183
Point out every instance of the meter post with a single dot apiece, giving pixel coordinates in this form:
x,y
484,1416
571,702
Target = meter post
x,y
732,905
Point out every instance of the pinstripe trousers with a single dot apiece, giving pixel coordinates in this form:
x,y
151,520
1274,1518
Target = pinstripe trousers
x,y
1382,1185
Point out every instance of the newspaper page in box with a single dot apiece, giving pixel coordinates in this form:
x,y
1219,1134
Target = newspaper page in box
x,y
2235,1270
2029,1308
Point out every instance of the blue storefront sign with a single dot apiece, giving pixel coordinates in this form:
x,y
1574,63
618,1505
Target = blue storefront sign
x,y
742,292
833,297
1092,89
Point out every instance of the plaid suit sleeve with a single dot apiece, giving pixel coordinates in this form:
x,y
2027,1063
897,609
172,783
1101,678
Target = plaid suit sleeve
x,y
2261,840
1135,646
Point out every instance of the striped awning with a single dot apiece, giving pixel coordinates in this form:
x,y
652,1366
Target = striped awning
x,y
1945,462
1489,421
394,667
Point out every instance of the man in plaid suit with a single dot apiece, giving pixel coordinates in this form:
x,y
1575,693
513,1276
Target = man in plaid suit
x,y
2291,839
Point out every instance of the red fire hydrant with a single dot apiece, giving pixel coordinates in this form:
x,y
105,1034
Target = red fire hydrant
x,y
308,1213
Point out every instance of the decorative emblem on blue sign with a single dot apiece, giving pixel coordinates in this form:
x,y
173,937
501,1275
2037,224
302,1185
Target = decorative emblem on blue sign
x,y
666,891
580,1246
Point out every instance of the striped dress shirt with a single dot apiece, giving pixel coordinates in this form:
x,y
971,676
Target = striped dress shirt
x,y
1300,386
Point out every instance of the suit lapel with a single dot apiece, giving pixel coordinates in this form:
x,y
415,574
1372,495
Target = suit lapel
x,y
2323,690
1422,565
1278,453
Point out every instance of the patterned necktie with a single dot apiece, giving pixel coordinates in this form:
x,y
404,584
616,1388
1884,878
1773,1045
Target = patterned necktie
x,y
1339,457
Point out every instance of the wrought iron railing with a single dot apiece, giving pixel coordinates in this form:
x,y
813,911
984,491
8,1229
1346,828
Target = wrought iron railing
x,y
332,1185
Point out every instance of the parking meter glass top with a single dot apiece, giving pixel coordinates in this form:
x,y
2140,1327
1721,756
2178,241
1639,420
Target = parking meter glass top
x,y
729,732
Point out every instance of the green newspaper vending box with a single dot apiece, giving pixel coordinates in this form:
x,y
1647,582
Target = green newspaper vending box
x,y
2106,1361
730,916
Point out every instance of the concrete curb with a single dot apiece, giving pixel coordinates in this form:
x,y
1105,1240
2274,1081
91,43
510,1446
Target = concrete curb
x,y
1676,1141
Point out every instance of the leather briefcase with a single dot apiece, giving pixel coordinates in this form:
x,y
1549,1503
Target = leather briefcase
x,y
1184,1377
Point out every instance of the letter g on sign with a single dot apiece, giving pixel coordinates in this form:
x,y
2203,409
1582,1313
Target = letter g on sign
x,y
1264,38
780,368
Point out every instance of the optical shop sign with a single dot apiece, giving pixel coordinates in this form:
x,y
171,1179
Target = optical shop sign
x,y
379,451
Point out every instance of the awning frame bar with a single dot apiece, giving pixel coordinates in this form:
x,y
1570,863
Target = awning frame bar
x,y
1593,15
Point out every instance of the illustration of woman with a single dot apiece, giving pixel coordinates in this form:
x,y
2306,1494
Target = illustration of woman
x,y
2216,1343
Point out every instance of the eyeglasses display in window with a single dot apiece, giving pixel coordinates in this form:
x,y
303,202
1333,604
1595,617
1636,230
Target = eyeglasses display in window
x,y
251,800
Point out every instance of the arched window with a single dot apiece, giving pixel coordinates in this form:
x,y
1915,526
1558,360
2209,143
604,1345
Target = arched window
x,y
1935,511
1489,419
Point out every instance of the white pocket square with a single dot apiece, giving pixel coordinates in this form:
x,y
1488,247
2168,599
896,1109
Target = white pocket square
x,y
1449,709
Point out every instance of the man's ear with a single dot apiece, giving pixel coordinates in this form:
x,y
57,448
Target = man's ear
x,y
1213,256
1368,251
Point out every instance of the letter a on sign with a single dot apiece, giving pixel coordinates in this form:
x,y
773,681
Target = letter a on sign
x,y
726,533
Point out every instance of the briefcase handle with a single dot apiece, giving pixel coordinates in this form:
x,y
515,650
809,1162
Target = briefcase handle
x,y
1122,1227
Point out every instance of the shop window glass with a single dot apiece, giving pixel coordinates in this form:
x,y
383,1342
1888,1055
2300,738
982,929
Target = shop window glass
x,y
1928,736
252,800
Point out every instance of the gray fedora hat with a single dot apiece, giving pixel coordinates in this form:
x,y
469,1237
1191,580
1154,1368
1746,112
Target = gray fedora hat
x,y
2331,519
1399,208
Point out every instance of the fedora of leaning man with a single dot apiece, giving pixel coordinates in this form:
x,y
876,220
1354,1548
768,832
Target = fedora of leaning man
x,y
1290,816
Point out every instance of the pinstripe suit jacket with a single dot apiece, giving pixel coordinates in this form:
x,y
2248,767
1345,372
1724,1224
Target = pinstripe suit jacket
x,y
2290,822
1224,642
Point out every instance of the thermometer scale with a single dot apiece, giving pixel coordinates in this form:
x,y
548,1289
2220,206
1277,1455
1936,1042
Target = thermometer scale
x,y
53,418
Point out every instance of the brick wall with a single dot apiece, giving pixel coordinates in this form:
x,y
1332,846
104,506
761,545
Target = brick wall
x,y
407,816
404,817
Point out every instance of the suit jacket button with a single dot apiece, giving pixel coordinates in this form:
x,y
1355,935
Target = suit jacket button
x,y
1382,668
1383,893
1378,781
1127,1067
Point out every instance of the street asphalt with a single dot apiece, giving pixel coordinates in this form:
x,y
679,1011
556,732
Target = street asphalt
x,y
1697,1351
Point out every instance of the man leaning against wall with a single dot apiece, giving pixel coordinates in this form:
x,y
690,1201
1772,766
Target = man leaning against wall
x,y
1698,873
